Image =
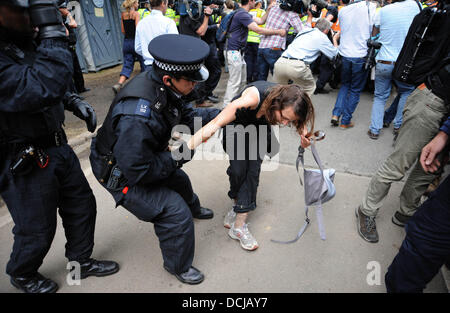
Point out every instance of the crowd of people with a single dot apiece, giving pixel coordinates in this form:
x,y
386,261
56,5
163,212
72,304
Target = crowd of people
x,y
181,62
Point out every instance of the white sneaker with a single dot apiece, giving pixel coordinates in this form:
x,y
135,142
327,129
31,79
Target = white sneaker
x,y
248,242
229,219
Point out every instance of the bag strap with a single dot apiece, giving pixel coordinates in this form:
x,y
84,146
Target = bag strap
x,y
319,211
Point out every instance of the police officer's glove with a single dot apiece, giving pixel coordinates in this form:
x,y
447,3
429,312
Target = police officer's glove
x,y
46,16
85,111
182,154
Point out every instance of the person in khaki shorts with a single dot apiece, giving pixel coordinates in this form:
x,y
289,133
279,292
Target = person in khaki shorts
x,y
306,47
423,114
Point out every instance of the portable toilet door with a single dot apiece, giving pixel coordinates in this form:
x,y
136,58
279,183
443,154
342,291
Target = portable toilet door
x,y
102,31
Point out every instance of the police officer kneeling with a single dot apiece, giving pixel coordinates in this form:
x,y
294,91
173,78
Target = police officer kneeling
x,y
130,155
39,172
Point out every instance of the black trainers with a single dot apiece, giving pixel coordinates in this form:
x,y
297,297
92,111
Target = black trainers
x,y
400,219
367,227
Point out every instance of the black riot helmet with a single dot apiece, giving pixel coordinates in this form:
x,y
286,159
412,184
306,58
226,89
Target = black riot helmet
x,y
17,3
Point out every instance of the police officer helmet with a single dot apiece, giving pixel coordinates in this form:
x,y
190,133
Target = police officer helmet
x,y
17,3
181,55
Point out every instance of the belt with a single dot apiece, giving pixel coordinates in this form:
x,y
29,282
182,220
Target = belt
x,y
276,49
289,58
52,140
385,62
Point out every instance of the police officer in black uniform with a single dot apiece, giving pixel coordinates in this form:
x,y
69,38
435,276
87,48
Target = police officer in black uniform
x,y
39,172
130,155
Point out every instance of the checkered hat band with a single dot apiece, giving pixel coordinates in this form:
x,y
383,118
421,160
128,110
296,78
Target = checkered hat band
x,y
178,67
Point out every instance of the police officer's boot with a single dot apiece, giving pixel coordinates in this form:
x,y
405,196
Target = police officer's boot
x,y
34,284
203,214
93,267
192,276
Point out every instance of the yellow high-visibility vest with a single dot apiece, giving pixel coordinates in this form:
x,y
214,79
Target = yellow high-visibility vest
x,y
143,13
252,36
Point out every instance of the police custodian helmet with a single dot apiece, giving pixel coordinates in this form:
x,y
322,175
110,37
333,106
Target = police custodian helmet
x,y
180,54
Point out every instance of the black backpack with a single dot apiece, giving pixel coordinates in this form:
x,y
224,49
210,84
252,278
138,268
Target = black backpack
x,y
426,46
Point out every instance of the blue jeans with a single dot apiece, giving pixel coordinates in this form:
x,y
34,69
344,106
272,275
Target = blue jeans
x,y
390,113
383,85
266,61
129,56
353,80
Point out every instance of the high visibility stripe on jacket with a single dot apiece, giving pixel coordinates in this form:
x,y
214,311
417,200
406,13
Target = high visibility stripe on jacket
x,y
143,13
252,36
170,13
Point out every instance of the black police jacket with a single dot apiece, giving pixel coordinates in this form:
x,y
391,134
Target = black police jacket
x,y
33,86
137,130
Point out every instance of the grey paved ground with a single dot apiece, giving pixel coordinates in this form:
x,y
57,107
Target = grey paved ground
x,y
339,264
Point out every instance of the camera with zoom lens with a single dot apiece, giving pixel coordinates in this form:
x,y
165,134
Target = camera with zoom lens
x,y
370,58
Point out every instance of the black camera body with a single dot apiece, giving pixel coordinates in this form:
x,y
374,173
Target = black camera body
x,y
370,58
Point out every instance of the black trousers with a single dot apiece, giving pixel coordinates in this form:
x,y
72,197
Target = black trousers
x,y
325,73
426,246
212,63
169,205
246,156
33,201
78,78
250,57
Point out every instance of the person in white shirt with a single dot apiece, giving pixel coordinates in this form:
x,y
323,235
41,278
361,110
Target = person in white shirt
x,y
152,26
306,47
356,22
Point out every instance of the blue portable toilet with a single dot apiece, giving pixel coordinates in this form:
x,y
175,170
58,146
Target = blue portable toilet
x,y
99,36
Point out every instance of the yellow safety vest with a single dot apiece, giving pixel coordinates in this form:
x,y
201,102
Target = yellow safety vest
x,y
143,13
252,36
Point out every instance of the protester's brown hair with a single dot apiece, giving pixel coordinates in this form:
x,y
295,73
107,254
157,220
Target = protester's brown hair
x,y
284,96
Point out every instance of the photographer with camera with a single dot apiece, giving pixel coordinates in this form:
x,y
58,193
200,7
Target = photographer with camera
x,y
200,24
356,22
392,23
39,173
306,47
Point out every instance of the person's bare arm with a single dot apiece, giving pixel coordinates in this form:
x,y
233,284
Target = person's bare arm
x,y
201,31
249,99
265,31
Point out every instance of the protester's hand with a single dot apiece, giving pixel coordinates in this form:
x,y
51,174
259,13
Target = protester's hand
x,y
431,150
304,138
181,152
282,32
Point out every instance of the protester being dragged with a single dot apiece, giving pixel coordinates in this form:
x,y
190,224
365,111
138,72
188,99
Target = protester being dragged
x,y
392,23
306,47
260,105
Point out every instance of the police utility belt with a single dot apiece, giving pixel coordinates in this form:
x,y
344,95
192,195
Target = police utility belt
x,y
28,155
111,175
